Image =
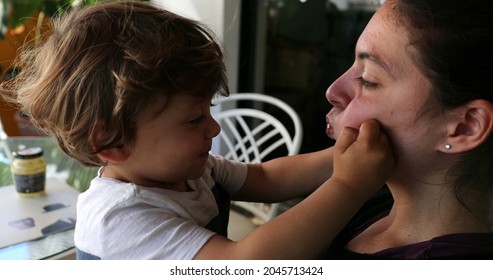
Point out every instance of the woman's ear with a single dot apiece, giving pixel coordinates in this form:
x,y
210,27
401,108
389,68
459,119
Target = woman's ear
x,y
471,125
115,154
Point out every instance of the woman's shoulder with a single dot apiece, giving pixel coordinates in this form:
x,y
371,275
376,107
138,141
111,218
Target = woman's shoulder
x,y
452,246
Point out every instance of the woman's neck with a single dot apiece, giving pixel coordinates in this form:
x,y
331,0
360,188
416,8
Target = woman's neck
x,y
419,213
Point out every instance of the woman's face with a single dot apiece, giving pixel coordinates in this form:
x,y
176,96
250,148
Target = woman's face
x,y
385,84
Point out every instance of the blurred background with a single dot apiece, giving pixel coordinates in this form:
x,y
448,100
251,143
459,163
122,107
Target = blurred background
x,y
290,49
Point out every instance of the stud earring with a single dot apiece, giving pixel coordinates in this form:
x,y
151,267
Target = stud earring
x,y
448,146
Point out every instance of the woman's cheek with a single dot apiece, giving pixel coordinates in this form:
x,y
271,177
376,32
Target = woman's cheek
x,y
355,120
359,111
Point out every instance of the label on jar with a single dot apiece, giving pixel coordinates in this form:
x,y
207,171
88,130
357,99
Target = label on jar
x,y
29,172
32,184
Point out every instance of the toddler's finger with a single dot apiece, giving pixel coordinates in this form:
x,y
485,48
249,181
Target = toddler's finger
x,y
369,131
346,138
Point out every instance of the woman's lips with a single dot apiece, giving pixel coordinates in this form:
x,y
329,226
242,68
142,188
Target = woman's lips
x,y
329,130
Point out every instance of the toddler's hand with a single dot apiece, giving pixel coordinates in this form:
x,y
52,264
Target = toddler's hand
x,y
364,160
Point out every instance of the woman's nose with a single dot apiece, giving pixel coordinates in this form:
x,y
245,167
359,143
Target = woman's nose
x,y
339,93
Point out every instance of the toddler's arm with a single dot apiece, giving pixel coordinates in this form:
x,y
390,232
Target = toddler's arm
x,y
362,163
286,177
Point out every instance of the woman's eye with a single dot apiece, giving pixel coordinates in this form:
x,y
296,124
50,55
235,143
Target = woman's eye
x,y
366,83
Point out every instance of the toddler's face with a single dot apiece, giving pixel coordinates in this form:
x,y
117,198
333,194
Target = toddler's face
x,y
173,144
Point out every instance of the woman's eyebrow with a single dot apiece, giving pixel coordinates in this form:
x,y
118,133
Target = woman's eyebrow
x,y
377,60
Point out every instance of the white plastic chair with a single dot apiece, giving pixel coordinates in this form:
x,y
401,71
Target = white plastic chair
x,y
264,128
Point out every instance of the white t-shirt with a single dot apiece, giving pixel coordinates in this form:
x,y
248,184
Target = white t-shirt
x,y
119,220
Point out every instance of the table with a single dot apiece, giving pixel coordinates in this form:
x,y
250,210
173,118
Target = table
x,y
59,166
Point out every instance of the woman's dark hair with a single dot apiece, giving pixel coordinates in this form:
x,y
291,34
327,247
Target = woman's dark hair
x,y
453,40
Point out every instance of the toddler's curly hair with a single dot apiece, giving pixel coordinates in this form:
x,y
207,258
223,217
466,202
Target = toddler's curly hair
x,y
105,64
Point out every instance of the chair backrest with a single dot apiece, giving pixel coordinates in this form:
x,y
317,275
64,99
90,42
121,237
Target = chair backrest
x,y
254,126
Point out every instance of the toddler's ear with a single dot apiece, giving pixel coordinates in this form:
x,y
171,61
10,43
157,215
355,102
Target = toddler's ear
x,y
114,154
472,125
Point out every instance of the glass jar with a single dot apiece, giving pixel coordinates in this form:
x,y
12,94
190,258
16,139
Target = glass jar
x,y
29,172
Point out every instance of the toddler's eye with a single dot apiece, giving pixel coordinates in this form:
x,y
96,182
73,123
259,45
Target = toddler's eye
x,y
196,120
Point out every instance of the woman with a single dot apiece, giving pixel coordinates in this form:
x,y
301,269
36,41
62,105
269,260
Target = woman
x,y
422,68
